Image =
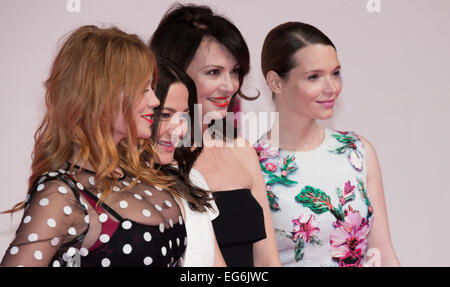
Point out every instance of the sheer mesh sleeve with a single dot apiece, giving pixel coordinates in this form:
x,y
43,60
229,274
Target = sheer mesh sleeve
x,y
52,228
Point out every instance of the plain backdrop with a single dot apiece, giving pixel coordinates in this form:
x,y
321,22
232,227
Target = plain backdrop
x,y
395,68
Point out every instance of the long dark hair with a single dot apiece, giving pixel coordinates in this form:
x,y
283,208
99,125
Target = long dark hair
x,y
283,41
181,31
169,73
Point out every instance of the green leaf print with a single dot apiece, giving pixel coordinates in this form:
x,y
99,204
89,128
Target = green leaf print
x,y
318,201
275,178
364,194
315,199
299,246
344,138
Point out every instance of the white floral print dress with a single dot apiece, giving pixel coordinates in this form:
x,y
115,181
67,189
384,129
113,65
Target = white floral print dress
x,y
320,207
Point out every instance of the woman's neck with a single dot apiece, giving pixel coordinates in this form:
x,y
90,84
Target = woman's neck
x,y
296,132
89,167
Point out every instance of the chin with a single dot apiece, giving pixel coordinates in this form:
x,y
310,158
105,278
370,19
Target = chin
x,y
325,116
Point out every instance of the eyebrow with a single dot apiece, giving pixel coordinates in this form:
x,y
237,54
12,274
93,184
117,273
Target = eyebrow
x,y
175,111
318,71
218,66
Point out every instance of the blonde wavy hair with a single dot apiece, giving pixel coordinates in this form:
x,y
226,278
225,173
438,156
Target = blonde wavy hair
x,y
92,69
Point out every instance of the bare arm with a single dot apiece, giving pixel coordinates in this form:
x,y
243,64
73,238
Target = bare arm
x,y
379,237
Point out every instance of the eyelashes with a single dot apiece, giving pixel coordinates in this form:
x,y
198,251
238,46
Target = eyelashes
x,y
317,76
217,72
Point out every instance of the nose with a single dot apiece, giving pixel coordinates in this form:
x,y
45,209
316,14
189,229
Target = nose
x,y
152,100
228,83
332,85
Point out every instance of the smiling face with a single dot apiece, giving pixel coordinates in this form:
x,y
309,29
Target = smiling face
x,y
312,87
142,115
172,126
216,75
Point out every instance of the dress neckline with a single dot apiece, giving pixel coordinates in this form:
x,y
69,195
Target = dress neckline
x,y
93,172
231,190
318,148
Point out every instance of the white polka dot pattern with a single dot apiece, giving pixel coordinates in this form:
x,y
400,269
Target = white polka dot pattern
x,y
127,249
67,210
33,237
147,236
148,260
103,217
56,263
105,262
51,222
27,219
72,231
154,222
127,224
44,202
62,189
123,204
54,241
38,255
146,213
104,238
14,250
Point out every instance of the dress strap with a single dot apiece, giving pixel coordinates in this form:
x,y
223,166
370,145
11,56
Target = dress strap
x,y
102,204
93,200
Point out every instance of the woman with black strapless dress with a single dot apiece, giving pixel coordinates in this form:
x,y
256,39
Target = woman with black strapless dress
x,y
214,54
241,212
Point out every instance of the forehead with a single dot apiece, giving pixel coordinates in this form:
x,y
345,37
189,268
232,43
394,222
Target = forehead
x,y
316,57
212,52
177,97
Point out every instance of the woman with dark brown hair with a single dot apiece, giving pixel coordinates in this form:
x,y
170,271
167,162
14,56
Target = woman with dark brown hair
x,y
212,51
93,200
324,186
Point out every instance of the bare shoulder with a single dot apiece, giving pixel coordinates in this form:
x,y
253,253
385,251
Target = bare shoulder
x,y
247,157
244,150
373,166
370,149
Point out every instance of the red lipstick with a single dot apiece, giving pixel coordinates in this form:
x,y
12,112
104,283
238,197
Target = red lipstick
x,y
148,118
220,102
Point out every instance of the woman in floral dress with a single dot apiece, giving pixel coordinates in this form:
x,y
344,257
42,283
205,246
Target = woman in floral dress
x,y
324,186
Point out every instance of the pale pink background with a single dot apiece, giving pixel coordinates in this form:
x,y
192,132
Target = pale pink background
x,y
395,67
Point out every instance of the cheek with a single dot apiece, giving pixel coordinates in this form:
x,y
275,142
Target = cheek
x,y
205,89
162,130
306,93
140,107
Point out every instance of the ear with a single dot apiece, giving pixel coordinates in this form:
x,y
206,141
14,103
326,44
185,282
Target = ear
x,y
274,82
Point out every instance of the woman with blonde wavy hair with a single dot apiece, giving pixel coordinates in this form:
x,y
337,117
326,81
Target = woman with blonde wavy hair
x,y
93,200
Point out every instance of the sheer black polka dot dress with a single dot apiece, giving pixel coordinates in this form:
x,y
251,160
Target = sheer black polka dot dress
x,y
63,224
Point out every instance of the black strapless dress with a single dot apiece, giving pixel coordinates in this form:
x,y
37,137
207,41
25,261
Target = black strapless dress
x,y
240,223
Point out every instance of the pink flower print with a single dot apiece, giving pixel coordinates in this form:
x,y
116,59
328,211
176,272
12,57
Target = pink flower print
x,y
349,239
271,167
284,173
348,192
305,227
265,151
